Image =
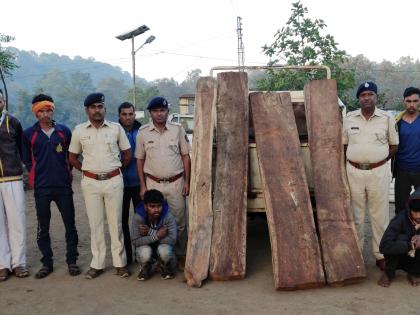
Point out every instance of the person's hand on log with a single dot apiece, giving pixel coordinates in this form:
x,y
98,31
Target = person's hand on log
x,y
162,232
143,229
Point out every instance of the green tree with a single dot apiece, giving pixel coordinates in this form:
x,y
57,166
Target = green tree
x,y
188,85
68,92
115,91
23,108
300,43
143,96
6,56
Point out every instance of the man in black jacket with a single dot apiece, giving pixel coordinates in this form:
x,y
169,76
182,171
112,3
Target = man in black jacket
x,y
400,244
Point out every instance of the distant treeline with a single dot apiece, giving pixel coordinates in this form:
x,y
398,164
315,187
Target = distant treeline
x,y
69,80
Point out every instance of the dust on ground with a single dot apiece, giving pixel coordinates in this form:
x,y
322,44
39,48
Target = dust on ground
x,y
61,294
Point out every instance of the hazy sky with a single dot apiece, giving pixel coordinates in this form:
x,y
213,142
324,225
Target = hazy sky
x,y
200,34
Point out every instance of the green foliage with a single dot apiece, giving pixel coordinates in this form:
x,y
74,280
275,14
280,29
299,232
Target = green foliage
x,y
301,43
6,56
68,92
391,77
143,96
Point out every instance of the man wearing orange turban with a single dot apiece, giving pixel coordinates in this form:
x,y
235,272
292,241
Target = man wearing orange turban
x,y
45,154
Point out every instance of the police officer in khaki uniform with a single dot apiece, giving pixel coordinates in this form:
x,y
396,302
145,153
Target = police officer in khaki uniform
x,y
99,142
370,140
163,163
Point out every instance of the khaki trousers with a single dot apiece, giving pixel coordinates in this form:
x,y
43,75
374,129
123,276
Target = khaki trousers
x,y
370,191
176,201
103,199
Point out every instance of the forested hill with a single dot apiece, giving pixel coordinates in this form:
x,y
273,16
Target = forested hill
x,y
70,80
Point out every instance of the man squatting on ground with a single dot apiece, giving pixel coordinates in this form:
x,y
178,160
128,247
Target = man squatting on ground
x,y
127,119
100,142
45,154
401,244
154,234
407,160
12,197
370,139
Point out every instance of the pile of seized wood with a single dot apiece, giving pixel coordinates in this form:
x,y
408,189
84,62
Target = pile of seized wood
x,y
302,258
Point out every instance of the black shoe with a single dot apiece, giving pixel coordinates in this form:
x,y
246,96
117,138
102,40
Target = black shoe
x,y
145,273
167,272
166,275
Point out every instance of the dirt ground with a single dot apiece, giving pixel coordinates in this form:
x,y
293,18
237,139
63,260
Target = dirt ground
x,y
61,294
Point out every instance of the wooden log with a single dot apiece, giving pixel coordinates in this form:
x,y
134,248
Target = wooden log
x,y
295,249
200,204
228,248
343,261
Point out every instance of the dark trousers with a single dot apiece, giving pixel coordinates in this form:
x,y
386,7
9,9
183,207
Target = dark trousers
x,y
63,197
403,182
404,262
131,194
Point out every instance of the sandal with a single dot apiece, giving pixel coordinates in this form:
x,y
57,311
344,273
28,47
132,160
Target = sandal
x,y
93,273
74,270
4,274
20,272
122,272
384,281
43,272
414,280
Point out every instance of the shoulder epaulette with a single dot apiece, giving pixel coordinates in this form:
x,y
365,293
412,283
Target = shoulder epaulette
x,y
144,126
173,123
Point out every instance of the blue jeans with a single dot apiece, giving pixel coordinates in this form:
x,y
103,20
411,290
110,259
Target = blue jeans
x,y
164,252
63,197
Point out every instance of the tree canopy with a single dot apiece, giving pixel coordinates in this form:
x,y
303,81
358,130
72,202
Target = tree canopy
x,y
6,56
302,42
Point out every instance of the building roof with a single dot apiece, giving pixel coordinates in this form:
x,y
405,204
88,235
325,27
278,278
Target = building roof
x,y
187,96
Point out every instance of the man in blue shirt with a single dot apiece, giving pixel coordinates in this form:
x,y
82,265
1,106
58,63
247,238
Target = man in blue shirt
x,y
45,154
131,126
407,160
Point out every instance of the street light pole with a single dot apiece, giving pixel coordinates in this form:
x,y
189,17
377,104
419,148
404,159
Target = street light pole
x,y
150,39
132,34
133,57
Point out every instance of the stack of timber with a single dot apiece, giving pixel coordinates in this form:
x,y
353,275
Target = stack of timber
x,y
217,226
294,244
343,261
200,205
228,245
218,199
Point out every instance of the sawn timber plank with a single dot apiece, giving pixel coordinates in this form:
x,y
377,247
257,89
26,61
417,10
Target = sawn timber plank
x,y
200,203
343,260
296,255
228,247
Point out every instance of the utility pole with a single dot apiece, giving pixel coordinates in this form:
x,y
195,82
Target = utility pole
x,y
241,50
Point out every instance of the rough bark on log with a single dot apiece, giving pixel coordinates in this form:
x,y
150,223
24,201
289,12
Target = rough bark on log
x,y
295,248
343,261
228,248
200,204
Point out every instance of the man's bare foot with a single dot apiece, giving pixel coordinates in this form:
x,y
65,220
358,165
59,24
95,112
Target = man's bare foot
x,y
414,281
384,281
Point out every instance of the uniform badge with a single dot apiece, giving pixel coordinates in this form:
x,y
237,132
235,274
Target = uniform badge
x,y
59,148
366,85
